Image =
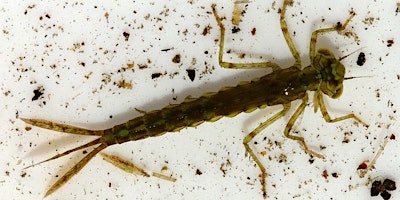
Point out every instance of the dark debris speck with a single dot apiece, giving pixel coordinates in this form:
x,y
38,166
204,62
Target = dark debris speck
x,y
390,43
155,75
191,73
382,188
235,29
37,93
126,35
176,58
198,172
361,59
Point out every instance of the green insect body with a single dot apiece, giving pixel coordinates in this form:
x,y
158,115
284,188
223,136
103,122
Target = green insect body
x,y
212,106
281,87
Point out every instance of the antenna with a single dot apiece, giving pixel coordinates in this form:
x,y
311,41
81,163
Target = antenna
x,y
353,77
341,58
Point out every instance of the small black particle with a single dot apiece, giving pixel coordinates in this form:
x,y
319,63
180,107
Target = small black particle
x,y
37,93
191,73
376,188
390,43
177,58
155,75
361,59
198,172
126,35
389,184
386,195
383,188
253,31
235,29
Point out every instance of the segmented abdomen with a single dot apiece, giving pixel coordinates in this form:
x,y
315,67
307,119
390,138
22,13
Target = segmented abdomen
x,y
271,89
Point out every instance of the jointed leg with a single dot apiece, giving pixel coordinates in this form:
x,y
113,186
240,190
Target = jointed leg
x,y
255,132
314,35
325,113
124,165
286,34
291,122
236,65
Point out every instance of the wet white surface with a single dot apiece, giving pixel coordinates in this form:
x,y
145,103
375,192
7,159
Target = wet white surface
x,y
77,55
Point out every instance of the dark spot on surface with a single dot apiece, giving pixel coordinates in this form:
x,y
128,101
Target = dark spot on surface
x,y
389,184
386,195
362,166
155,75
83,64
235,29
390,43
166,50
206,30
198,172
37,93
383,188
376,188
126,35
177,58
325,174
253,31
361,59
142,66
191,73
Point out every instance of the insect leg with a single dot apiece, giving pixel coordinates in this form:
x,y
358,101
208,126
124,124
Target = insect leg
x,y
291,122
255,132
328,118
286,34
223,64
314,36
124,165
131,168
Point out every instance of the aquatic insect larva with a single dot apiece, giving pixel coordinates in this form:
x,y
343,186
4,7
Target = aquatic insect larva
x,y
325,75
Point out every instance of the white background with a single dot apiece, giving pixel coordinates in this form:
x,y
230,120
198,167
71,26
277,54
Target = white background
x,y
38,49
